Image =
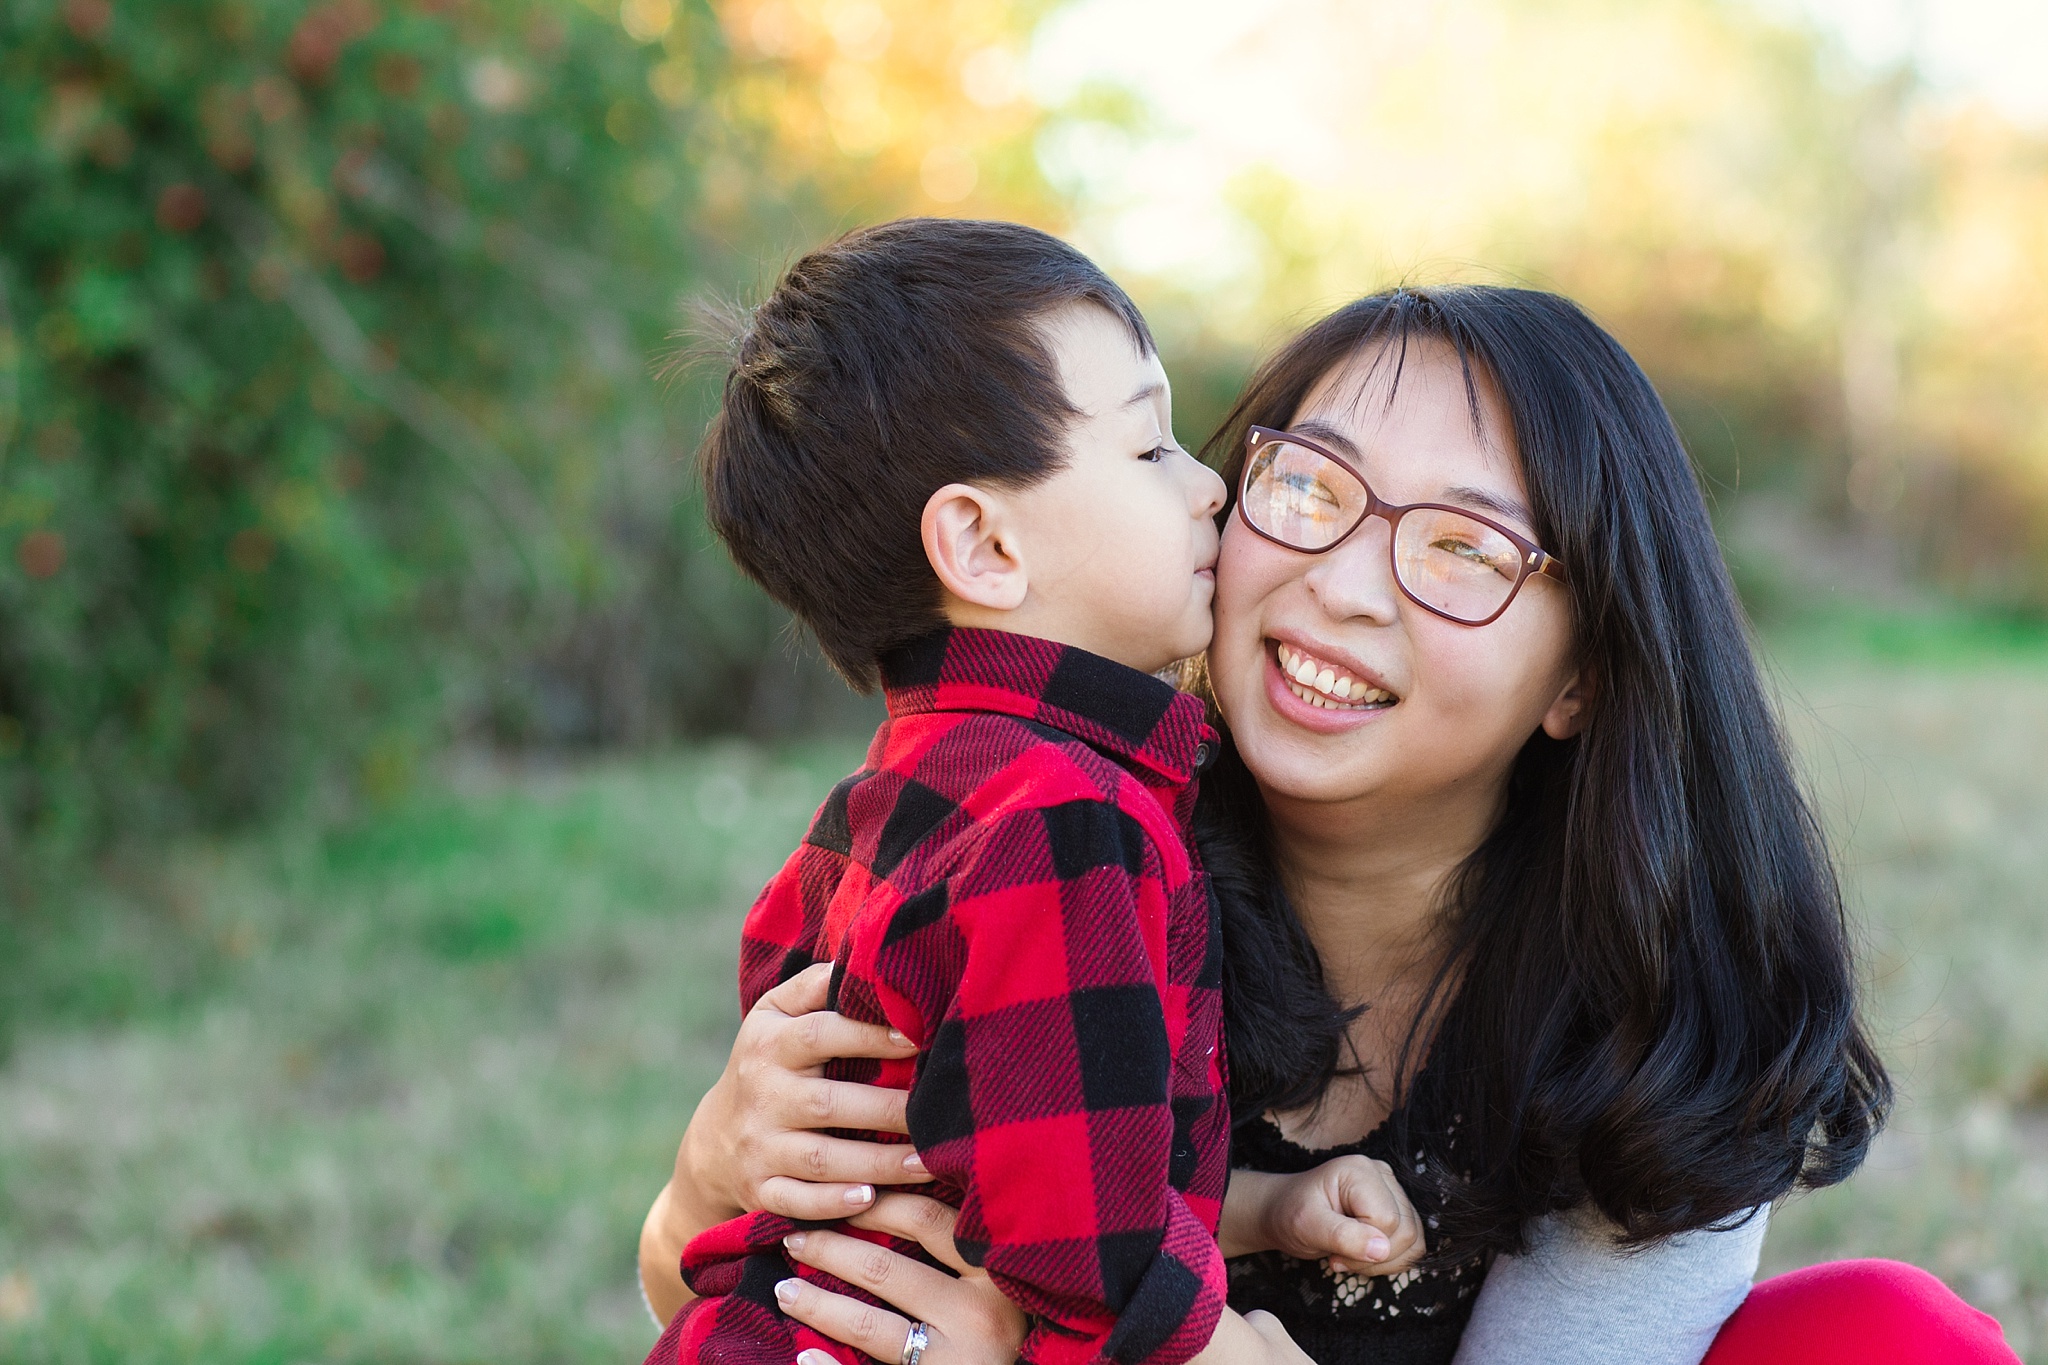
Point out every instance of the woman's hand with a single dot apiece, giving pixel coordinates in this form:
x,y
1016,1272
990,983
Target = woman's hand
x,y
967,1320
750,1146
1257,1338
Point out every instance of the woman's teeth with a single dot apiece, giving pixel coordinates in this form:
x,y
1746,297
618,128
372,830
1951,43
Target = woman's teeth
x,y
1326,685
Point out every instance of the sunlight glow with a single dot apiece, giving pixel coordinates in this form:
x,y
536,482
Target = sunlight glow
x,y
1439,125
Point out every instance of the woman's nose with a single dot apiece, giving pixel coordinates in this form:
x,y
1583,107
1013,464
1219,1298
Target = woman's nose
x,y
1356,580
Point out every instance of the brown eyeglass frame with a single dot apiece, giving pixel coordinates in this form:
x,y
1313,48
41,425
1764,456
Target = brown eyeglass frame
x,y
1534,558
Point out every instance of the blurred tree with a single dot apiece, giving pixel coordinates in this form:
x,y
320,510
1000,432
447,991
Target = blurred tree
x,y
1834,273
326,419
1968,480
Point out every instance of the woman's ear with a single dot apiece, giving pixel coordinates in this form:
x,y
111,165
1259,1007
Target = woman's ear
x,y
972,550
1572,708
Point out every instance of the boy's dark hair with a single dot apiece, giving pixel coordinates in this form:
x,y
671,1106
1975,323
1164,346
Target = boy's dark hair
x,y
885,365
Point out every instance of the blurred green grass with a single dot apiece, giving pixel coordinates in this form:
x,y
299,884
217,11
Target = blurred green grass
x,y
1927,748
401,1091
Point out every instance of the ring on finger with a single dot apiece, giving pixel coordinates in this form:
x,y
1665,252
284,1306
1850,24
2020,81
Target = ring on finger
x,y
914,1343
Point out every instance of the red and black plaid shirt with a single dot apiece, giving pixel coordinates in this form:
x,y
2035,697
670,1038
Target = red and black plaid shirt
x,y
1010,882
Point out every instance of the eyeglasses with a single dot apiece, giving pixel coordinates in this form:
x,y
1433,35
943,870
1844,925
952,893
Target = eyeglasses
x,y
1446,560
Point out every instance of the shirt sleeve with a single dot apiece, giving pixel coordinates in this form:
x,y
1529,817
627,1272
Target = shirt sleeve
x,y
1043,1092
1576,1295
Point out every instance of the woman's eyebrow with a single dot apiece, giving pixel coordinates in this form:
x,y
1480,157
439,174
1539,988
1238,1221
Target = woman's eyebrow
x,y
1489,502
1329,435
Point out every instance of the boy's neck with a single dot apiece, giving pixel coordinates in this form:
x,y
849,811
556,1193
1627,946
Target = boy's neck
x,y
1038,624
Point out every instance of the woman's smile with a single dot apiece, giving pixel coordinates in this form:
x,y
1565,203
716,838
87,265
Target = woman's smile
x,y
1308,685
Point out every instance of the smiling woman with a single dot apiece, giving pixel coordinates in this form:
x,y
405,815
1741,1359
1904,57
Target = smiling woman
x,y
1332,594
1581,791
1505,925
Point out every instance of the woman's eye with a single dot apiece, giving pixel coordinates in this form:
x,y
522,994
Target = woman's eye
x,y
1478,556
1310,496
1466,550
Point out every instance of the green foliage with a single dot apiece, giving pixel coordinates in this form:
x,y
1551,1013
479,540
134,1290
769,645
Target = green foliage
x,y
326,419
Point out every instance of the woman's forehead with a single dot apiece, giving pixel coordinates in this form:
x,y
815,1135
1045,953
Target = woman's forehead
x,y
1415,396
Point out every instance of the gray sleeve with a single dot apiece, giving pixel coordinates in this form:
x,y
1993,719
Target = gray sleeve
x,y
1575,1296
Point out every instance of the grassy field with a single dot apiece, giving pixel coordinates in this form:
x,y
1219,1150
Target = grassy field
x,y
400,1092
1934,778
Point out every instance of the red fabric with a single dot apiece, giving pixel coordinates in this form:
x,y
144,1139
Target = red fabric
x,y
1009,880
1858,1313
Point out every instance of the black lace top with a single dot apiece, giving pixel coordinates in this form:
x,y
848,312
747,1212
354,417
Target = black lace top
x,y
1414,1318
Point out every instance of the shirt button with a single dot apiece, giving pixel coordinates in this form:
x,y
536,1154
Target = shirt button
x,y
1205,754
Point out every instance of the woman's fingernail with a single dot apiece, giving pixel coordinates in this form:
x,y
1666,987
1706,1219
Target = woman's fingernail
x,y
899,1037
914,1162
1377,1248
795,1242
785,1292
814,1358
860,1194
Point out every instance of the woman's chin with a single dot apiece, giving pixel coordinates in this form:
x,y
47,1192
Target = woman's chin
x,y
1293,766
1300,751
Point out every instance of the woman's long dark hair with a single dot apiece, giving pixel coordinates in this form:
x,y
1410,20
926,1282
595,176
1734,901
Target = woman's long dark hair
x,y
1646,1001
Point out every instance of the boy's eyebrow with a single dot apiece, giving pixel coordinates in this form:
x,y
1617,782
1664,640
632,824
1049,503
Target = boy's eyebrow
x,y
1146,394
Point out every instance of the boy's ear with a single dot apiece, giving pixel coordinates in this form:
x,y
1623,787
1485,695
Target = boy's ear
x,y
972,550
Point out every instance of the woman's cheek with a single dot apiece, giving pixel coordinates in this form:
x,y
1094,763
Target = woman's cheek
x,y
1240,569
1234,650
1487,687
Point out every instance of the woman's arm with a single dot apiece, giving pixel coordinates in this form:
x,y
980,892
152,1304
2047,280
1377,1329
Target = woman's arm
x,y
750,1146
1575,1295
966,1318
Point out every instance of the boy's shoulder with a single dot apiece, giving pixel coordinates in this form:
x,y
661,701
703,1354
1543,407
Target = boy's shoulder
x,y
937,784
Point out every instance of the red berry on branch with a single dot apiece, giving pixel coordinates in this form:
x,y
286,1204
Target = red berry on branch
x,y
180,208
41,554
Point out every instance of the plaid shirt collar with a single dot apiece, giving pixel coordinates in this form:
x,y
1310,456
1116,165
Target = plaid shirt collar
x,y
1131,716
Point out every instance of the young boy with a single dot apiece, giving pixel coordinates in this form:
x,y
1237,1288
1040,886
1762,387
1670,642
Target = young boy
x,y
947,447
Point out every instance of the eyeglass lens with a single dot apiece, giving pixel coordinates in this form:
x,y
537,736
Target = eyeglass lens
x,y
1447,561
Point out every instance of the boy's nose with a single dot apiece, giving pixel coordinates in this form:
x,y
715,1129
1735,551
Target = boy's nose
x,y
1209,489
